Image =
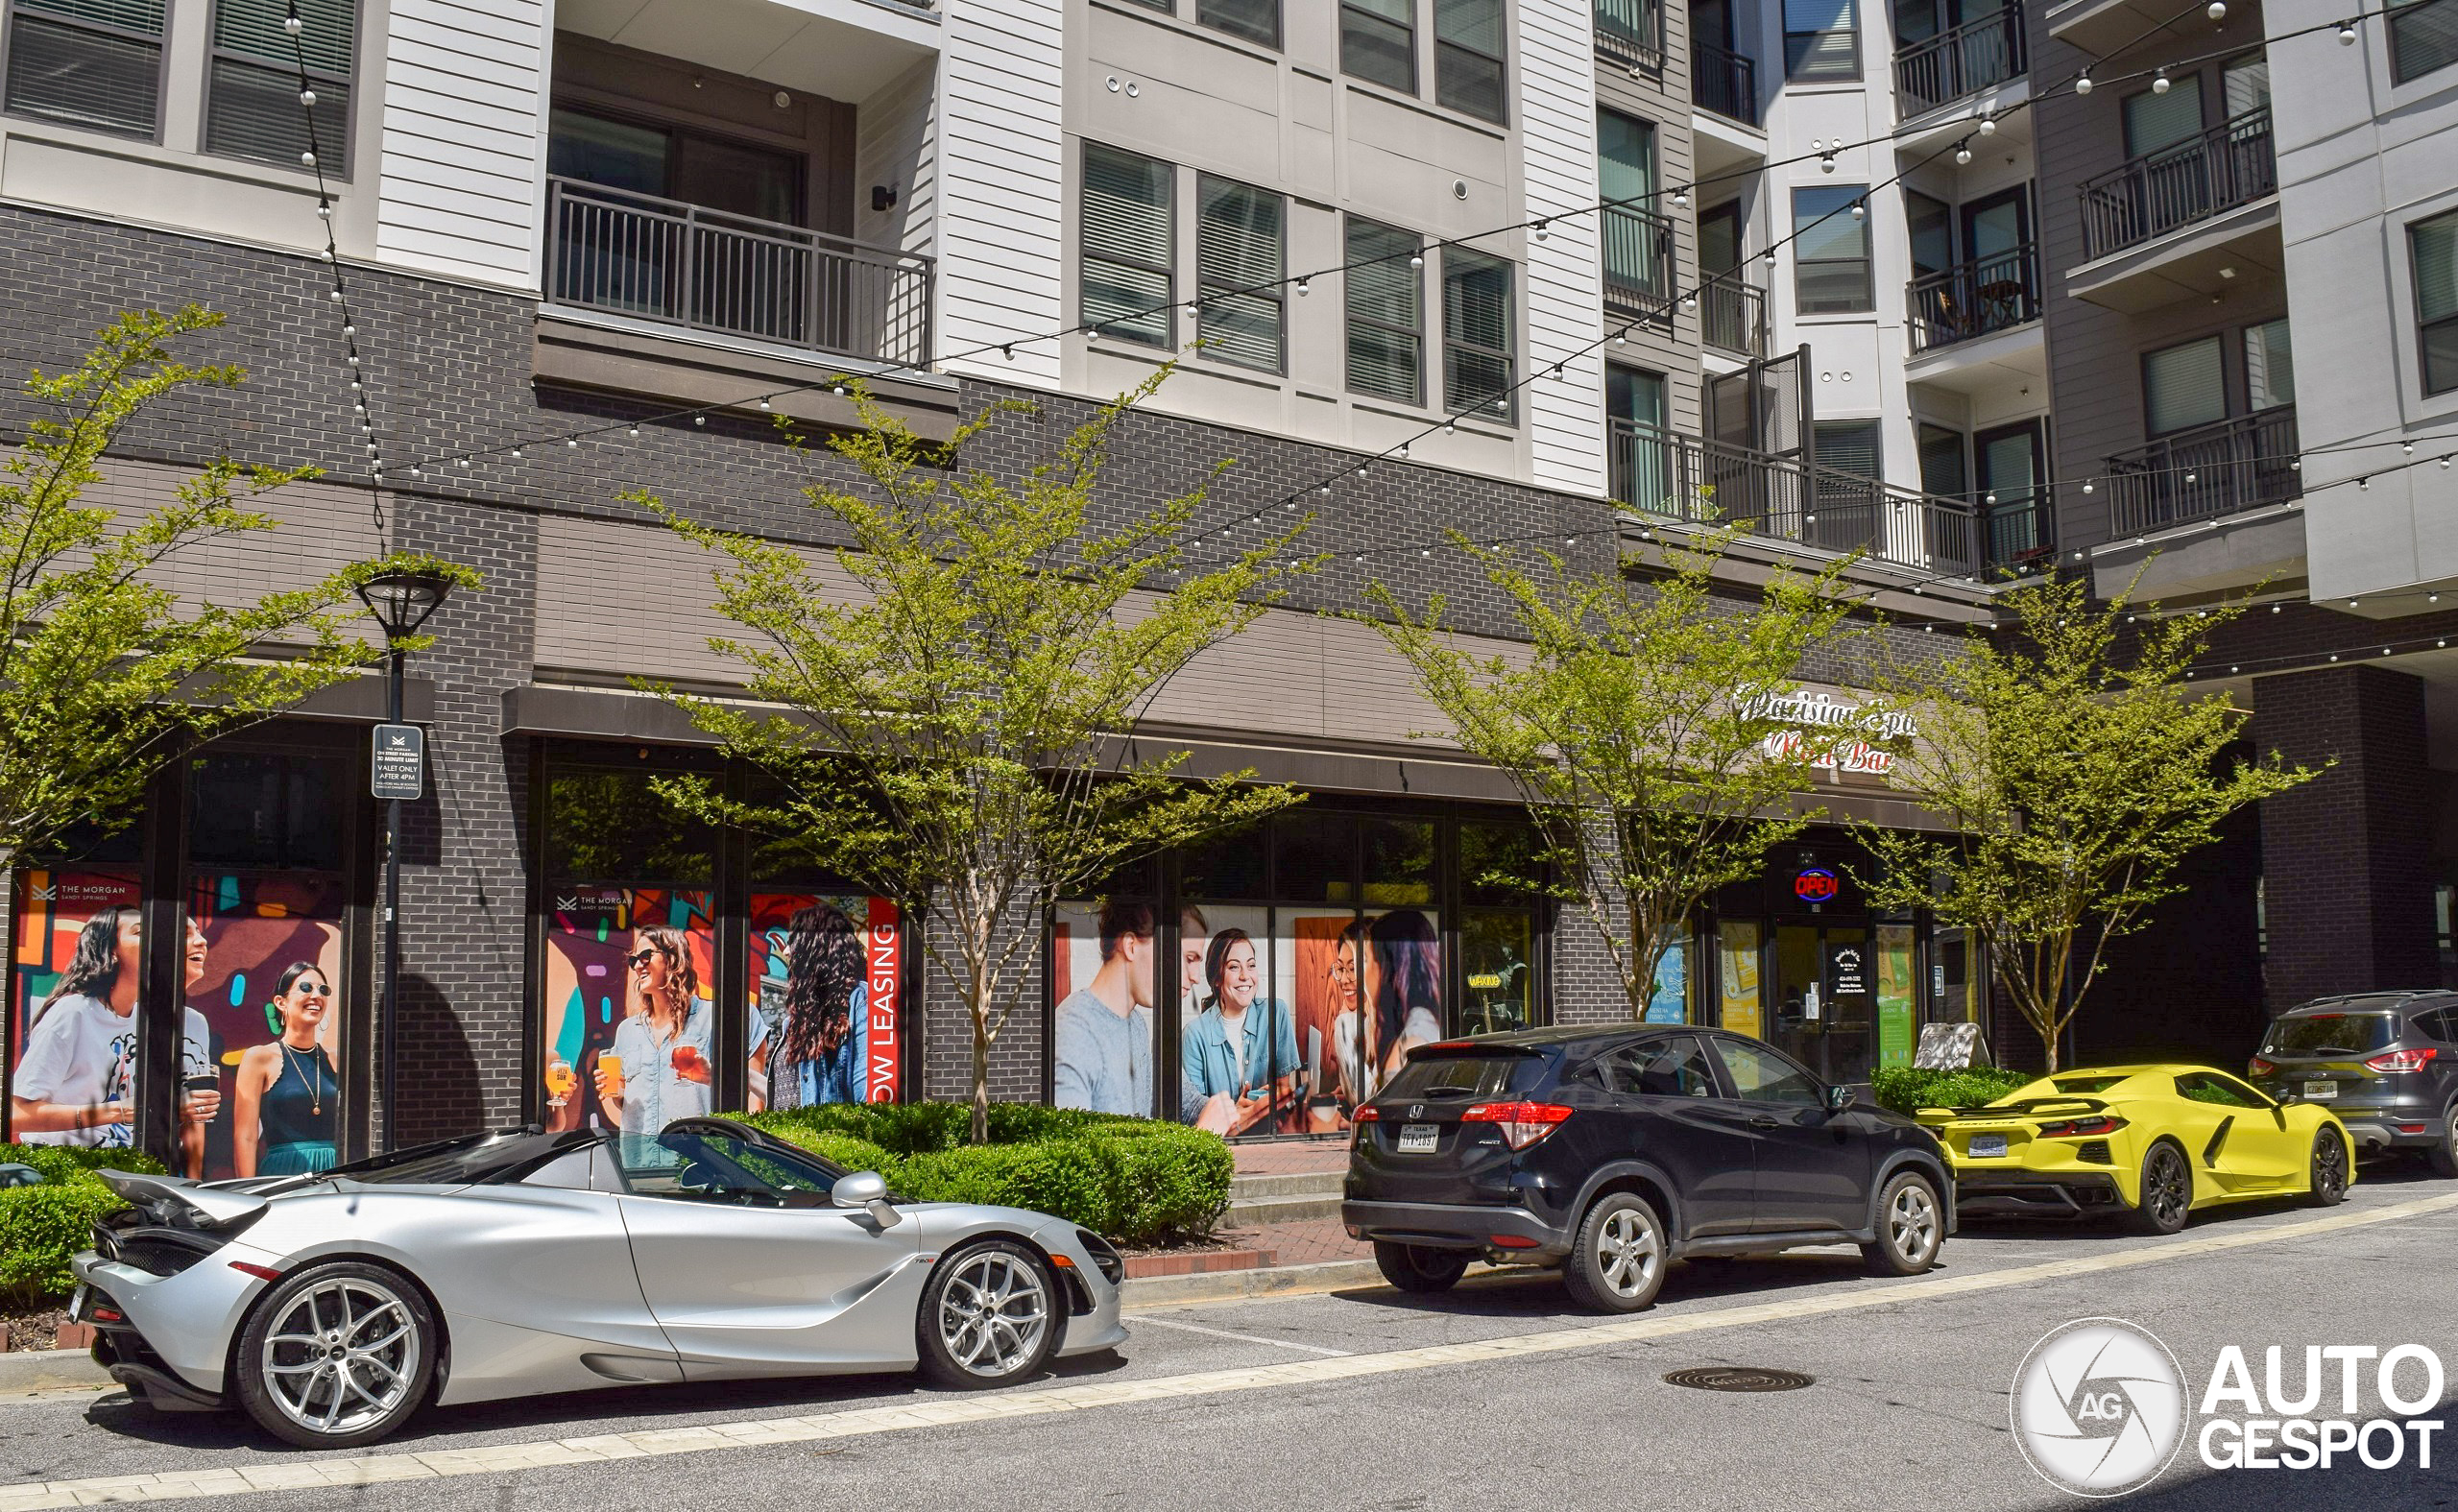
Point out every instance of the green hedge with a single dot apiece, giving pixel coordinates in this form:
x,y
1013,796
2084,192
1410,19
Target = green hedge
x,y
40,1227
1135,1181
1904,1089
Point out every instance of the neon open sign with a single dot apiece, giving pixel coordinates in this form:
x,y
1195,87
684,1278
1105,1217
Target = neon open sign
x,y
1815,884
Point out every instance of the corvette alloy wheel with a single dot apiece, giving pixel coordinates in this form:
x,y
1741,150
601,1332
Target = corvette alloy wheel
x,y
2167,1191
2329,1168
993,1312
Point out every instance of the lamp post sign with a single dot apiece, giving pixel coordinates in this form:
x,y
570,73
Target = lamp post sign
x,y
399,767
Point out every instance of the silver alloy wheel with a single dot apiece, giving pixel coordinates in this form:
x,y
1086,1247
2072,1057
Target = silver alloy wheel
x,y
992,1312
342,1356
1629,1253
1912,1222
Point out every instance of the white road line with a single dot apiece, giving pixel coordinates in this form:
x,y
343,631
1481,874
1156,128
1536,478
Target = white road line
x,y
948,1411
1145,1320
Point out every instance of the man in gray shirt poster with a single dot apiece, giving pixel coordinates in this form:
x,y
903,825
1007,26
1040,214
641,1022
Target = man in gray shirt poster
x,y
1102,1050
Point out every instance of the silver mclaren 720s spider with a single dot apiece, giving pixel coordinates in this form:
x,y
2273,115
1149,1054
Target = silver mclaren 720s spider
x,y
332,1306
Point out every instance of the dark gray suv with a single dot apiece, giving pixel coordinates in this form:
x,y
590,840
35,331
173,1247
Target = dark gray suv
x,y
2385,1063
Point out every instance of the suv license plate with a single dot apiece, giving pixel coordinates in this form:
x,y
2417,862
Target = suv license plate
x,y
2322,1089
1418,1138
1987,1146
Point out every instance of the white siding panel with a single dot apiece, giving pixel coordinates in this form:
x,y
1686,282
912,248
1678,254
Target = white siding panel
x,y
464,99
1565,285
998,198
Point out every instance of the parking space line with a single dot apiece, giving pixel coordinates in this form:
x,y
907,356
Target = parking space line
x,y
1144,1320
951,1411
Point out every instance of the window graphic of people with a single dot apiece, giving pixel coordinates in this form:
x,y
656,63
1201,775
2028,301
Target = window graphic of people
x,y
1402,968
818,1041
287,1097
1101,1038
77,1082
659,1069
1239,1060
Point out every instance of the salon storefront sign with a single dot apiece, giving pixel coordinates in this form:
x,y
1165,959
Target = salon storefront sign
x,y
1863,731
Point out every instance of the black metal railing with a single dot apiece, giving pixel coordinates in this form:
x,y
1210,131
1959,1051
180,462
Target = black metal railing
x,y
680,264
1638,261
1661,472
1631,32
2229,165
1724,82
2018,533
1732,315
2211,470
1964,61
1972,299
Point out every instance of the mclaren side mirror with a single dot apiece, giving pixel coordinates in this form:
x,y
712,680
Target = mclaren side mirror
x,y
867,1190
1839,1098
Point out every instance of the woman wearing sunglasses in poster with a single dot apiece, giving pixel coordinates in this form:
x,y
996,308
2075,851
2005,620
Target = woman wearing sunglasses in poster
x,y
287,1095
657,1069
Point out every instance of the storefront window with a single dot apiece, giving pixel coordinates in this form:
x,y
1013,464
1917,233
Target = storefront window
x,y
1399,860
1894,997
1669,1002
1497,961
826,973
72,1014
1103,962
1240,1070
1739,1003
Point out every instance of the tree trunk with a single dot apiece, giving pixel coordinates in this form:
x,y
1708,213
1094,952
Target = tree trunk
x,y
981,1006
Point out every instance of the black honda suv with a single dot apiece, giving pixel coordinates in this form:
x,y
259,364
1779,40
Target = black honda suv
x,y
1608,1152
2385,1063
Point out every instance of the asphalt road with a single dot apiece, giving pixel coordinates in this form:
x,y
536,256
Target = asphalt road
x,y
1495,1396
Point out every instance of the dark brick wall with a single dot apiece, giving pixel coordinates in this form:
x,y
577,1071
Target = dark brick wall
x,y
448,371
2188,986
2346,857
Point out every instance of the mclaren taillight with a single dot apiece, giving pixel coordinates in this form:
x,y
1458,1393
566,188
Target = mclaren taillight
x,y
2258,1067
2391,1062
1522,1123
2081,1128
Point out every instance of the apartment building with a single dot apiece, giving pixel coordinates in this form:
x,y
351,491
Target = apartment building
x,y
598,247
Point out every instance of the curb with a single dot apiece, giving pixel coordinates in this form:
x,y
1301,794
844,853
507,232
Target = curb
x,y
1222,1285
50,1369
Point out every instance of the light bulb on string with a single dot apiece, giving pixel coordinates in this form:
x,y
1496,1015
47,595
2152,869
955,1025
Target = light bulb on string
x,y
2161,85
2083,82
2347,33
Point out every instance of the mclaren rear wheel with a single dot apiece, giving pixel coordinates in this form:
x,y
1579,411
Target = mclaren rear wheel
x,y
336,1355
2166,1198
2328,1169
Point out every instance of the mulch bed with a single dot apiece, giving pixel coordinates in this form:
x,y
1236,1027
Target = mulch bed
x,y
40,1329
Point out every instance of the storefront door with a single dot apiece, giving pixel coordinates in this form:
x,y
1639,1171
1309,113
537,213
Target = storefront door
x,y
1825,1004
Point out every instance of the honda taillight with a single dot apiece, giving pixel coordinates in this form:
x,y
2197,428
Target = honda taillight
x,y
2258,1067
1522,1123
1369,1114
2081,1128
2394,1060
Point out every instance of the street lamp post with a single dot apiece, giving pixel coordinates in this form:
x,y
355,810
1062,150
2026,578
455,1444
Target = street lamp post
x,y
401,602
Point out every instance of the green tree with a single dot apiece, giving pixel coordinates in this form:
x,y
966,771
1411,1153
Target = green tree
x,y
2079,769
944,709
1644,727
105,673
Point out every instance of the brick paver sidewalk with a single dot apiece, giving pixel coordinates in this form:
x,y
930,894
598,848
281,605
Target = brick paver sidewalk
x,y
1291,1157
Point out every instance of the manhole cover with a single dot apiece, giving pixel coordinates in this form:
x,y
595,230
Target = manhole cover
x,y
1740,1378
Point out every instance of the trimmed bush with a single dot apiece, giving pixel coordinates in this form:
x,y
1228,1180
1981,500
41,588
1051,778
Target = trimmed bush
x,y
40,1227
1134,1181
1906,1089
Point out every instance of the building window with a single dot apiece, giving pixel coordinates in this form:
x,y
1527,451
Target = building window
x,y
1638,240
1831,251
1238,262
1479,329
96,63
1467,56
1385,312
1379,41
1634,410
2423,37
1130,234
1255,21
2183,386
1821,39
252,97
2154,121
2436,258
1943,470
2270,366
1849,446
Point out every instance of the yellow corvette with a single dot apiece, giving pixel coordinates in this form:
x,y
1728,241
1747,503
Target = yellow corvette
x,y
2154,1141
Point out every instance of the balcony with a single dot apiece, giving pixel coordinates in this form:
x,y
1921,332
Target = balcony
x,y
1724,82
1975,55
2019,534
2228,166
2204,473
1732,315
1974,299
1630,33
1672,477
677,264
1638,263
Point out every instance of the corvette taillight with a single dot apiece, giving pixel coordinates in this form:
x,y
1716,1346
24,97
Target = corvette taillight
x,y
2394,1060
2258,1067
2081,1128
1522,1123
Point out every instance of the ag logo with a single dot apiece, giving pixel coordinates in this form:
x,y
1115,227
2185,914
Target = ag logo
x,y
2099,1408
